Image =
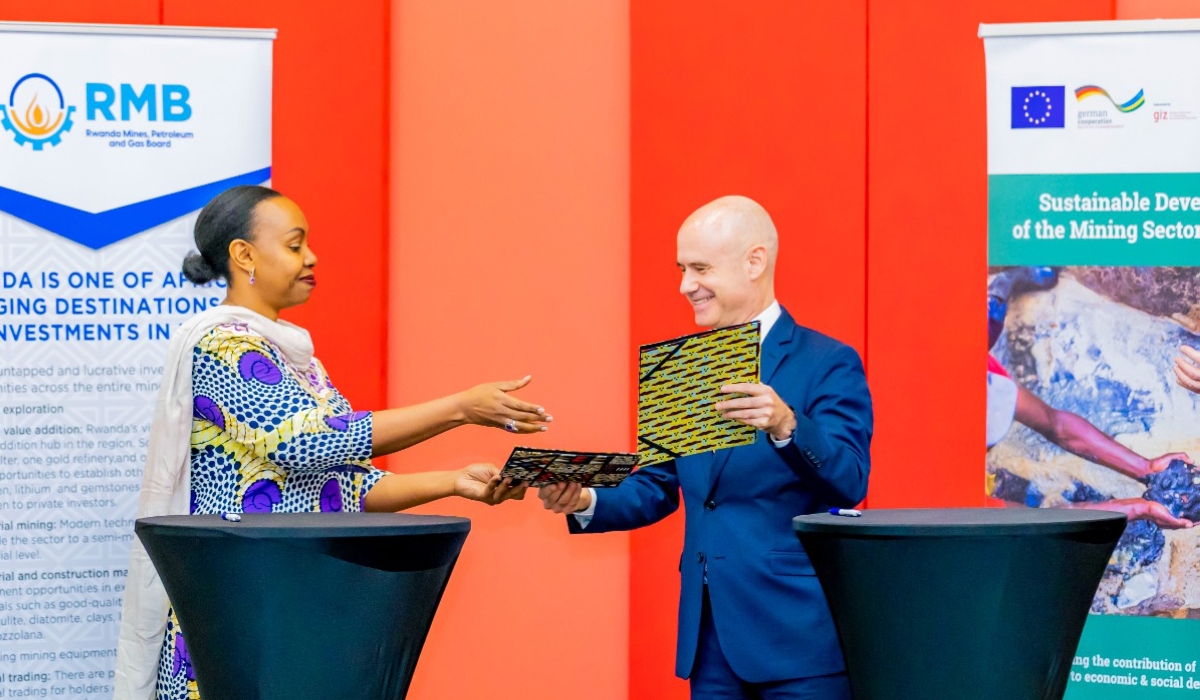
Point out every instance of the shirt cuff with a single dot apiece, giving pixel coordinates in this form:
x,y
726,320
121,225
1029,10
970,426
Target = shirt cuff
x,y
780,444
584,517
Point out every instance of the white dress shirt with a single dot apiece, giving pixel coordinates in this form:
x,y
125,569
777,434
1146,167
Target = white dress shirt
x,y
766,322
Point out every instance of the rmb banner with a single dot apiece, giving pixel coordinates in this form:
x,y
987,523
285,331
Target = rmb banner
x,y
112,140
1093,298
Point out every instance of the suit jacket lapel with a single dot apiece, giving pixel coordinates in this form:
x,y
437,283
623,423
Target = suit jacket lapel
x,y
775,350
776,347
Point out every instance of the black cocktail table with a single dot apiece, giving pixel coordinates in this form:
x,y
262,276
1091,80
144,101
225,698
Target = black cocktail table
x,y
306,605
960,603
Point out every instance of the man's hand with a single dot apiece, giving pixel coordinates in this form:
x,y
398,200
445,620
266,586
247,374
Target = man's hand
x,y
565,498
762,408
482,482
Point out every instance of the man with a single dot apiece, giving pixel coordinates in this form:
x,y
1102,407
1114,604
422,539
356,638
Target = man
x,y
753,621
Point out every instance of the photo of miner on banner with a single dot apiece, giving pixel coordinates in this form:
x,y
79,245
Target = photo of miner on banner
x,y
1085,410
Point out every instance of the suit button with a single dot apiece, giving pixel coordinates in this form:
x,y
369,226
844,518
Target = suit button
x,y
700,558
710,505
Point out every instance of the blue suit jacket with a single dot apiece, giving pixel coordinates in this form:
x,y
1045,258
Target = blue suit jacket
x,y
768,607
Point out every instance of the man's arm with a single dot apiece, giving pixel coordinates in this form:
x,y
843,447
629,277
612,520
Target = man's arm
x,y
643,498
830,437
1079,437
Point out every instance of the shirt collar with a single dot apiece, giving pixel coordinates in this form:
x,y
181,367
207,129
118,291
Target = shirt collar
x,y
767,320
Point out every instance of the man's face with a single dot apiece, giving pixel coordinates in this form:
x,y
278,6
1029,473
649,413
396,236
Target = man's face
x,y
716,277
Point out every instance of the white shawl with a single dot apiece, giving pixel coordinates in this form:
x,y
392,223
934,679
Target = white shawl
x,y
166,486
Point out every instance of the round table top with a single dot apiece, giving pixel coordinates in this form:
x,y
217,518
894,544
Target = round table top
x,y
959,522
307,525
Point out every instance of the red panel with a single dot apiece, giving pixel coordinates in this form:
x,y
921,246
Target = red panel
x,y
330,156
106,12
927,239
1157,9
764,99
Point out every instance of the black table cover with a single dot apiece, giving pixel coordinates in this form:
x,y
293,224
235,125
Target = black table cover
x,y
305,605
960,604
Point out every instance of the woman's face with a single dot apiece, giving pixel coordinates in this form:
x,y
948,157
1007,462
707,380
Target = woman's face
x,y
283,261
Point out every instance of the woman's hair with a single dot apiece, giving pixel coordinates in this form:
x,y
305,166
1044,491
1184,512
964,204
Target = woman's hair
x,y
227,218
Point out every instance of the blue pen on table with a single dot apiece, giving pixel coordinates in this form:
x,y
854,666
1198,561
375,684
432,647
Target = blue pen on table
x,y
848,512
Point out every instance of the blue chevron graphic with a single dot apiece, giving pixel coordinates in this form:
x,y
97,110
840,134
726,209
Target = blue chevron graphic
x,y
107,227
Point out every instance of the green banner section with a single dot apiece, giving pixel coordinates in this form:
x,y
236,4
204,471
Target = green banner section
x,y
1136,658
1137,219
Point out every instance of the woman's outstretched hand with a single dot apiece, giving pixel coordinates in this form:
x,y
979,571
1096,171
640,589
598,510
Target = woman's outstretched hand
x,y
490,405
482,482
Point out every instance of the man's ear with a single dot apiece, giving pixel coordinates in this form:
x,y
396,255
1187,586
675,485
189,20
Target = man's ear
x,y
756,261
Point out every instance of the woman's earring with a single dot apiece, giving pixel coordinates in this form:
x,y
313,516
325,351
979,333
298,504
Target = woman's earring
x,y
252,275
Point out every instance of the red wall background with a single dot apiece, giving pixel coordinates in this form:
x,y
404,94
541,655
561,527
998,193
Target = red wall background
x,y
510,250
859,125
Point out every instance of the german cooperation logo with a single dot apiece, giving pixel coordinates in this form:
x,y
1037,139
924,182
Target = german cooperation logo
x,y
36,112
1093,117
1130,105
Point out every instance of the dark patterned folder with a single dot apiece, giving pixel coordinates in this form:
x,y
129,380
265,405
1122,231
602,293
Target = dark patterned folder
x,y
596,469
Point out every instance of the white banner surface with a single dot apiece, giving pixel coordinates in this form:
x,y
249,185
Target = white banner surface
x,y
112,139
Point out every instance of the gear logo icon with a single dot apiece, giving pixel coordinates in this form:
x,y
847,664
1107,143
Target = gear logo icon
x,y
36,113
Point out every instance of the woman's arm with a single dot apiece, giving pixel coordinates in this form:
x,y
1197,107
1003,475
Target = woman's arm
x,y
231,364
487,404
478,482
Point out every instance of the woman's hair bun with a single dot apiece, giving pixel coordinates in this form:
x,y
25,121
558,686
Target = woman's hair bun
x,y
197,269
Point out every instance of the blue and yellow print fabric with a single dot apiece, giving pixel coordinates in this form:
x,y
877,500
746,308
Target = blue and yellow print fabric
x,y
267,437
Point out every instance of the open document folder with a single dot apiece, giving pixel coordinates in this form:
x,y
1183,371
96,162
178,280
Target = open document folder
x,y
681,379
596,469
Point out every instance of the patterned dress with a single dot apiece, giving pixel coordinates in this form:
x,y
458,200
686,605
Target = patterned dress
x,y
267,437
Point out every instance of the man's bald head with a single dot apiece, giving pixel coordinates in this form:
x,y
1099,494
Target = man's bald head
x,y
736,221
726,251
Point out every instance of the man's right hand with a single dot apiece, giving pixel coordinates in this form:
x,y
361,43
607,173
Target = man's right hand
x,y
565,498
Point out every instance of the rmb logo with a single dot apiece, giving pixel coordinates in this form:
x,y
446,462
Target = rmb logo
x,y
1129,105
36,112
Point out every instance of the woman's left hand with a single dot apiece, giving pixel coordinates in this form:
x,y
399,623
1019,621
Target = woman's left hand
x,y
482,482
491,405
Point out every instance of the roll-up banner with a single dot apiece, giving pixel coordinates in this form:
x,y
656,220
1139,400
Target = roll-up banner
x,y
113,138
1093,288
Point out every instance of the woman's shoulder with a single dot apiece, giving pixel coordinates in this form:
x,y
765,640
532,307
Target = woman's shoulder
x,y
235,343
232,335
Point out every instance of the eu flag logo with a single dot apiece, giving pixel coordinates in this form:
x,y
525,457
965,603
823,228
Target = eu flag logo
x,y
1039,107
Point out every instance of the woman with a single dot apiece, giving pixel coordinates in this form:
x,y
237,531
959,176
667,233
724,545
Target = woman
x,y
266,428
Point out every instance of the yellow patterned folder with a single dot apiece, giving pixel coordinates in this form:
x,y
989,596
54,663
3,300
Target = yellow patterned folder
x,y
680,380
